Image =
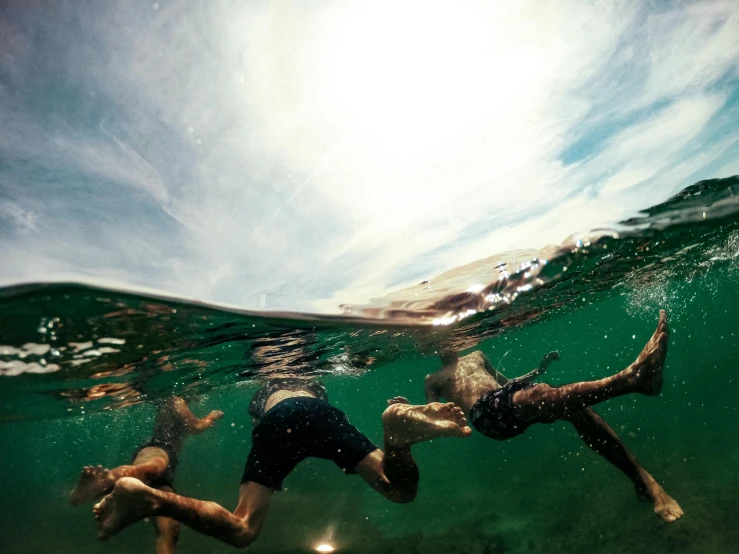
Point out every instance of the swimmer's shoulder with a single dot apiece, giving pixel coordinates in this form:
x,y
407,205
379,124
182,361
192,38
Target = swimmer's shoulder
x,y
477,355
474,360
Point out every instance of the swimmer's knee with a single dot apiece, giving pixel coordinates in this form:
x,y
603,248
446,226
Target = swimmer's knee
x,y
244,537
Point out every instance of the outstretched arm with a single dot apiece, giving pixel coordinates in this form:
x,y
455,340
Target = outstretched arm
x,y
194,425
499,377
543,365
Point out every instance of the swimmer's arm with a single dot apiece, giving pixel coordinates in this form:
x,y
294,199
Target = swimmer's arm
x,y
531,376
194,425
430,389
206,422
499,377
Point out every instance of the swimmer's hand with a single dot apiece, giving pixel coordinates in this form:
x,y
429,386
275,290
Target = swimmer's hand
x,y
398,400
215,415
548,359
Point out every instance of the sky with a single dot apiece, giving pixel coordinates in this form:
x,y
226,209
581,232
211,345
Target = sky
x,y
303,155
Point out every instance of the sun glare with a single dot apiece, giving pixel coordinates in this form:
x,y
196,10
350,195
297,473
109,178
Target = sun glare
x,y
324,548
412,102
403,76
395,114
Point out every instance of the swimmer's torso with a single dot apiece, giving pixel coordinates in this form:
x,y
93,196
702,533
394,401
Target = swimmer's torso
x,y
284,394
465,381
168,425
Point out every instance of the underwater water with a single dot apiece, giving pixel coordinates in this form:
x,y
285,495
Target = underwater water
x,y
80,368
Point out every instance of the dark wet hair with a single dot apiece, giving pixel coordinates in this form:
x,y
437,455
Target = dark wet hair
x,y
259,400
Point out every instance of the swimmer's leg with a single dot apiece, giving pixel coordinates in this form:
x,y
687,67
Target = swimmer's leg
x,y
643,376
167,531
95,482
601,438
132,501
393,472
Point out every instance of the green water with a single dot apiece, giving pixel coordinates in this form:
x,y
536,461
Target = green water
x,y
81,366
541,492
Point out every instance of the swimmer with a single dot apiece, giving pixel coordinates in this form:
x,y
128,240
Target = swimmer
x,y
501,409
153,462
293,421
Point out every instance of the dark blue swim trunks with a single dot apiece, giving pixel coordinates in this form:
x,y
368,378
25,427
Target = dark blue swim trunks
x,y
493,414
167,478
298,428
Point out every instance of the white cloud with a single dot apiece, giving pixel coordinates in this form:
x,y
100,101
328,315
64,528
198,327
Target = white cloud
x,y
24,220
690,48
309,154
647,148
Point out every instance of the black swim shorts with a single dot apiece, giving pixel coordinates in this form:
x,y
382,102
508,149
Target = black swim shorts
x,y
493,415
167,478
298,428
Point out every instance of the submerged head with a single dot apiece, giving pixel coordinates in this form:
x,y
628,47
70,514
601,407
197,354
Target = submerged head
x,y
448,357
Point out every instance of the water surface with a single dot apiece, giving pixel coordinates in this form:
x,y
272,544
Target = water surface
x,y
81,366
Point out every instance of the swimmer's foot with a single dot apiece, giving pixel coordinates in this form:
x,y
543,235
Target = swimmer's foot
x,y
94,482
646,371
397,400
129,502
406,424
664,505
